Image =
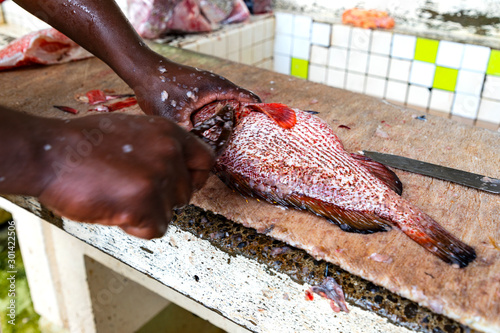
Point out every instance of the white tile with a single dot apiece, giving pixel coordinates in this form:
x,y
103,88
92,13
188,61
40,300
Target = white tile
x,y
469,82
317,73
360,39
450,54
476,57
190,46
319,55
269,27
396,91
284,23
378,65
418,96
489,111
320,33
301,48
492,87
246,37
267,64
341,35
403,46
422,73
282,64
375,86
233,41
246,57
465,106
355,82
234,56
302,26
258,31
18,17
335,77
441,100
337,58
381,42
258,52
357,61
283,45
205,46
268,48
220,48
399,69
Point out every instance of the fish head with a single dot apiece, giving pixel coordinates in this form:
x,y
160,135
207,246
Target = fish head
x,y
214,124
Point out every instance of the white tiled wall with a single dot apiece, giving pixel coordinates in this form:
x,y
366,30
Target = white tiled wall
x,y
375,62
384,64
250,43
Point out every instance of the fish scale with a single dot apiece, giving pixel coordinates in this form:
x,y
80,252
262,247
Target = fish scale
x,y
254,139
292,158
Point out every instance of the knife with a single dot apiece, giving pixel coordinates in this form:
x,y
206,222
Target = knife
x,y
473,180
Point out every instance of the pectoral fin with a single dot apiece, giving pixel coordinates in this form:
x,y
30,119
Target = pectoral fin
x,y
283,115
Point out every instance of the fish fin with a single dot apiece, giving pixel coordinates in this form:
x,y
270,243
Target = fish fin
x,y
435,239
283,115
347,220
381,172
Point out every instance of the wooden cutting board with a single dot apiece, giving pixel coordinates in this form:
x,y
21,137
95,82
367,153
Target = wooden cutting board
x,y
470,295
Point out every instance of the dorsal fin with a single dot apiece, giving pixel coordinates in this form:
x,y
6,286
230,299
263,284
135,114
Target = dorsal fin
x,y
381,172
280,113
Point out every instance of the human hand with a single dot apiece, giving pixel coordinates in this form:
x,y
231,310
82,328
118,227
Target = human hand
x,y
177,91
123,170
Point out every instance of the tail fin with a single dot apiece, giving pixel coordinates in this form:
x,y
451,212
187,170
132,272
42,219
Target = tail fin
x,y
435,239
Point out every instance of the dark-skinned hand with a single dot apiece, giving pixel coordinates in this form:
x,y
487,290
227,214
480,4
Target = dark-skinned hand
x,y
116,169
177,91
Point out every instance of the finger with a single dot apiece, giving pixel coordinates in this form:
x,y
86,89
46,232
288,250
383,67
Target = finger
x,y
197,154
155,230
198,178
240,94
176,188
152,225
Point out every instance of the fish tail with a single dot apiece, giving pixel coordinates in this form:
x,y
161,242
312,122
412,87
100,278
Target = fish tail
x,y
435,239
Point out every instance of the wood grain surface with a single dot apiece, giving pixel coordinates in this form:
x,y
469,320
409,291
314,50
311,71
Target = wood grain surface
x,y
470,295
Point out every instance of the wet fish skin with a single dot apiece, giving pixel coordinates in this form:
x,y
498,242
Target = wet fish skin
x,y
305,166
46,46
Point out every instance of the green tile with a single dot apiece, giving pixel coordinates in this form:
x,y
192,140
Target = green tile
x,y
299,68
494,63
426,50
445,78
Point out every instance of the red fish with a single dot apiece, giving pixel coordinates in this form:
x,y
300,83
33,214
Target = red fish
x,y
47,47
292,158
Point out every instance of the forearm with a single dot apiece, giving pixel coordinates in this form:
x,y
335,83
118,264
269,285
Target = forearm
x,y
99,26
24,153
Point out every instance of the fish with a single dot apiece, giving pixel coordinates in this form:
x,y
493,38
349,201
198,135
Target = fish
x,y
45,47
157,18
367,18
293,159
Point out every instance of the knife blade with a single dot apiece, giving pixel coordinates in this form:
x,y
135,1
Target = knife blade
x,y
465,178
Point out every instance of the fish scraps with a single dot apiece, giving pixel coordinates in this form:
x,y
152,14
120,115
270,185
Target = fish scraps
x,y
98,97
332,291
